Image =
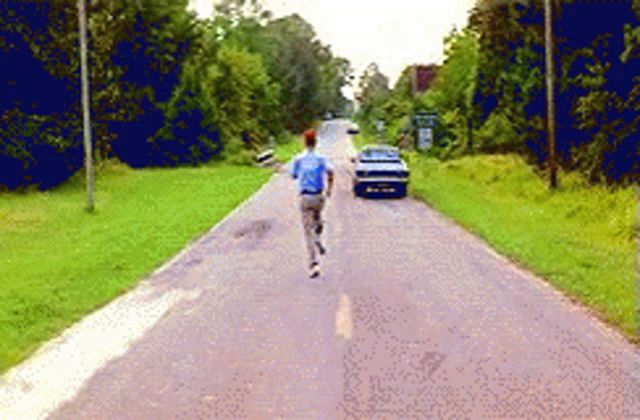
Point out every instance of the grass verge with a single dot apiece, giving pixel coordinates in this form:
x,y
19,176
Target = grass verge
x,y
580,238
58,263
286,150
360,140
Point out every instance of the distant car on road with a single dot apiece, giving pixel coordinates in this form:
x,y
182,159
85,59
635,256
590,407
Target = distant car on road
x,y
380,169
353,129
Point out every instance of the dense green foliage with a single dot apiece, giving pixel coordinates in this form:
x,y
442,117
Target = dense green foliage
x,y
168,89
490,90
58,262
373,92
36,95
287,149
597,83
555,234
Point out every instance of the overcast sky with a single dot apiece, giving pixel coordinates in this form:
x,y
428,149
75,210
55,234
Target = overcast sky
x,y
392,33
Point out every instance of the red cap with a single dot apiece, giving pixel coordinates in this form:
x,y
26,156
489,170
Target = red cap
x,y
310,134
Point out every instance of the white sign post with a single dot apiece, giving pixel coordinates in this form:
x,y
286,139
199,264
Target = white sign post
x,y
425,138
380,127
425,130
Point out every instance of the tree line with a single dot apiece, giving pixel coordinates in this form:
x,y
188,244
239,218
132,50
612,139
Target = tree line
x,y
489,91
168,89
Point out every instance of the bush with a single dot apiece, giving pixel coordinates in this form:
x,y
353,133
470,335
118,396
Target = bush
x,y
239,153
12,175
496,134
40,139
176,145
134,143
187,138
37,150
159,140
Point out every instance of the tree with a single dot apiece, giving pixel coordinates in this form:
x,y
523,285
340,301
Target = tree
x,y
310,77
149,51
167,89
294,63
455,84
595,87
373,92
39,134
603,69
509,84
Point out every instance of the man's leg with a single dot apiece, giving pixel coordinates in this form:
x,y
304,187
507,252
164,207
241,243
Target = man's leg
x,y
309,228
318,206
319,223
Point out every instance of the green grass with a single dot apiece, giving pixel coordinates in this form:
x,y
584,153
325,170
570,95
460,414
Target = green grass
x,y
58,263
287,150
359,140
580,238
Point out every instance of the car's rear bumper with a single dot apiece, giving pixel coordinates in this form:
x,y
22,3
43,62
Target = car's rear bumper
x,y
381,185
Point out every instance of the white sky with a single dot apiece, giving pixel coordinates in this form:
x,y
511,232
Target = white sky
x,y
392,33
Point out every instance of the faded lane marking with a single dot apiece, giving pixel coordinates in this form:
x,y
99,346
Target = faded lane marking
x,y
344,323
55,374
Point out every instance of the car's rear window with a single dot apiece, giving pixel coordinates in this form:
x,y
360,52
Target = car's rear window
x,y
386,155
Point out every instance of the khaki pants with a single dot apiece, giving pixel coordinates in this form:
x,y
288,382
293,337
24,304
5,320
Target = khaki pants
x,y
311,206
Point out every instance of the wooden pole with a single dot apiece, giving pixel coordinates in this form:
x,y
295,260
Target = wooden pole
x,y
86,116
637,265
551,123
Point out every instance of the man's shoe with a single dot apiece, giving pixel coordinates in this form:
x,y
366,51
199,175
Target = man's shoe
x,y
315,270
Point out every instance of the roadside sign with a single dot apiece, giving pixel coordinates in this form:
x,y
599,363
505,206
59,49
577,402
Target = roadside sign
x,y
425,138
424,124
425,119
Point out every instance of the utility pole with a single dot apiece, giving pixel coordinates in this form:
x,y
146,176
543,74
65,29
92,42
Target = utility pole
x,y
414,80
86,116
551,112
637,273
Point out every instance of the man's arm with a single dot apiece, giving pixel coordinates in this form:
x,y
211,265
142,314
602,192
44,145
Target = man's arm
x,y
329,182
294,169
329,168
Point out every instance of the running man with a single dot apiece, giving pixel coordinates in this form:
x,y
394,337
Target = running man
x,y
309,169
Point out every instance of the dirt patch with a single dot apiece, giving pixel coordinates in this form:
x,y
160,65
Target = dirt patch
x,y
255,230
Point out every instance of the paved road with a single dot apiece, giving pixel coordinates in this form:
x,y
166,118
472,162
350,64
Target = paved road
x,y
412,318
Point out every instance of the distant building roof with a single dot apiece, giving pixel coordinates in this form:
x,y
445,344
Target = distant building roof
x,y
423,76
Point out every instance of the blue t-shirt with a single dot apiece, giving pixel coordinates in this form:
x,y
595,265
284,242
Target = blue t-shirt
x,y
309,169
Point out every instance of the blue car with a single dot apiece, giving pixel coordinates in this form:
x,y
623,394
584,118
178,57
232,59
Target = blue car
x,y
379,170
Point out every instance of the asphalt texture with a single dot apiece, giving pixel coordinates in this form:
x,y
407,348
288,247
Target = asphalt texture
x,y
412,317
